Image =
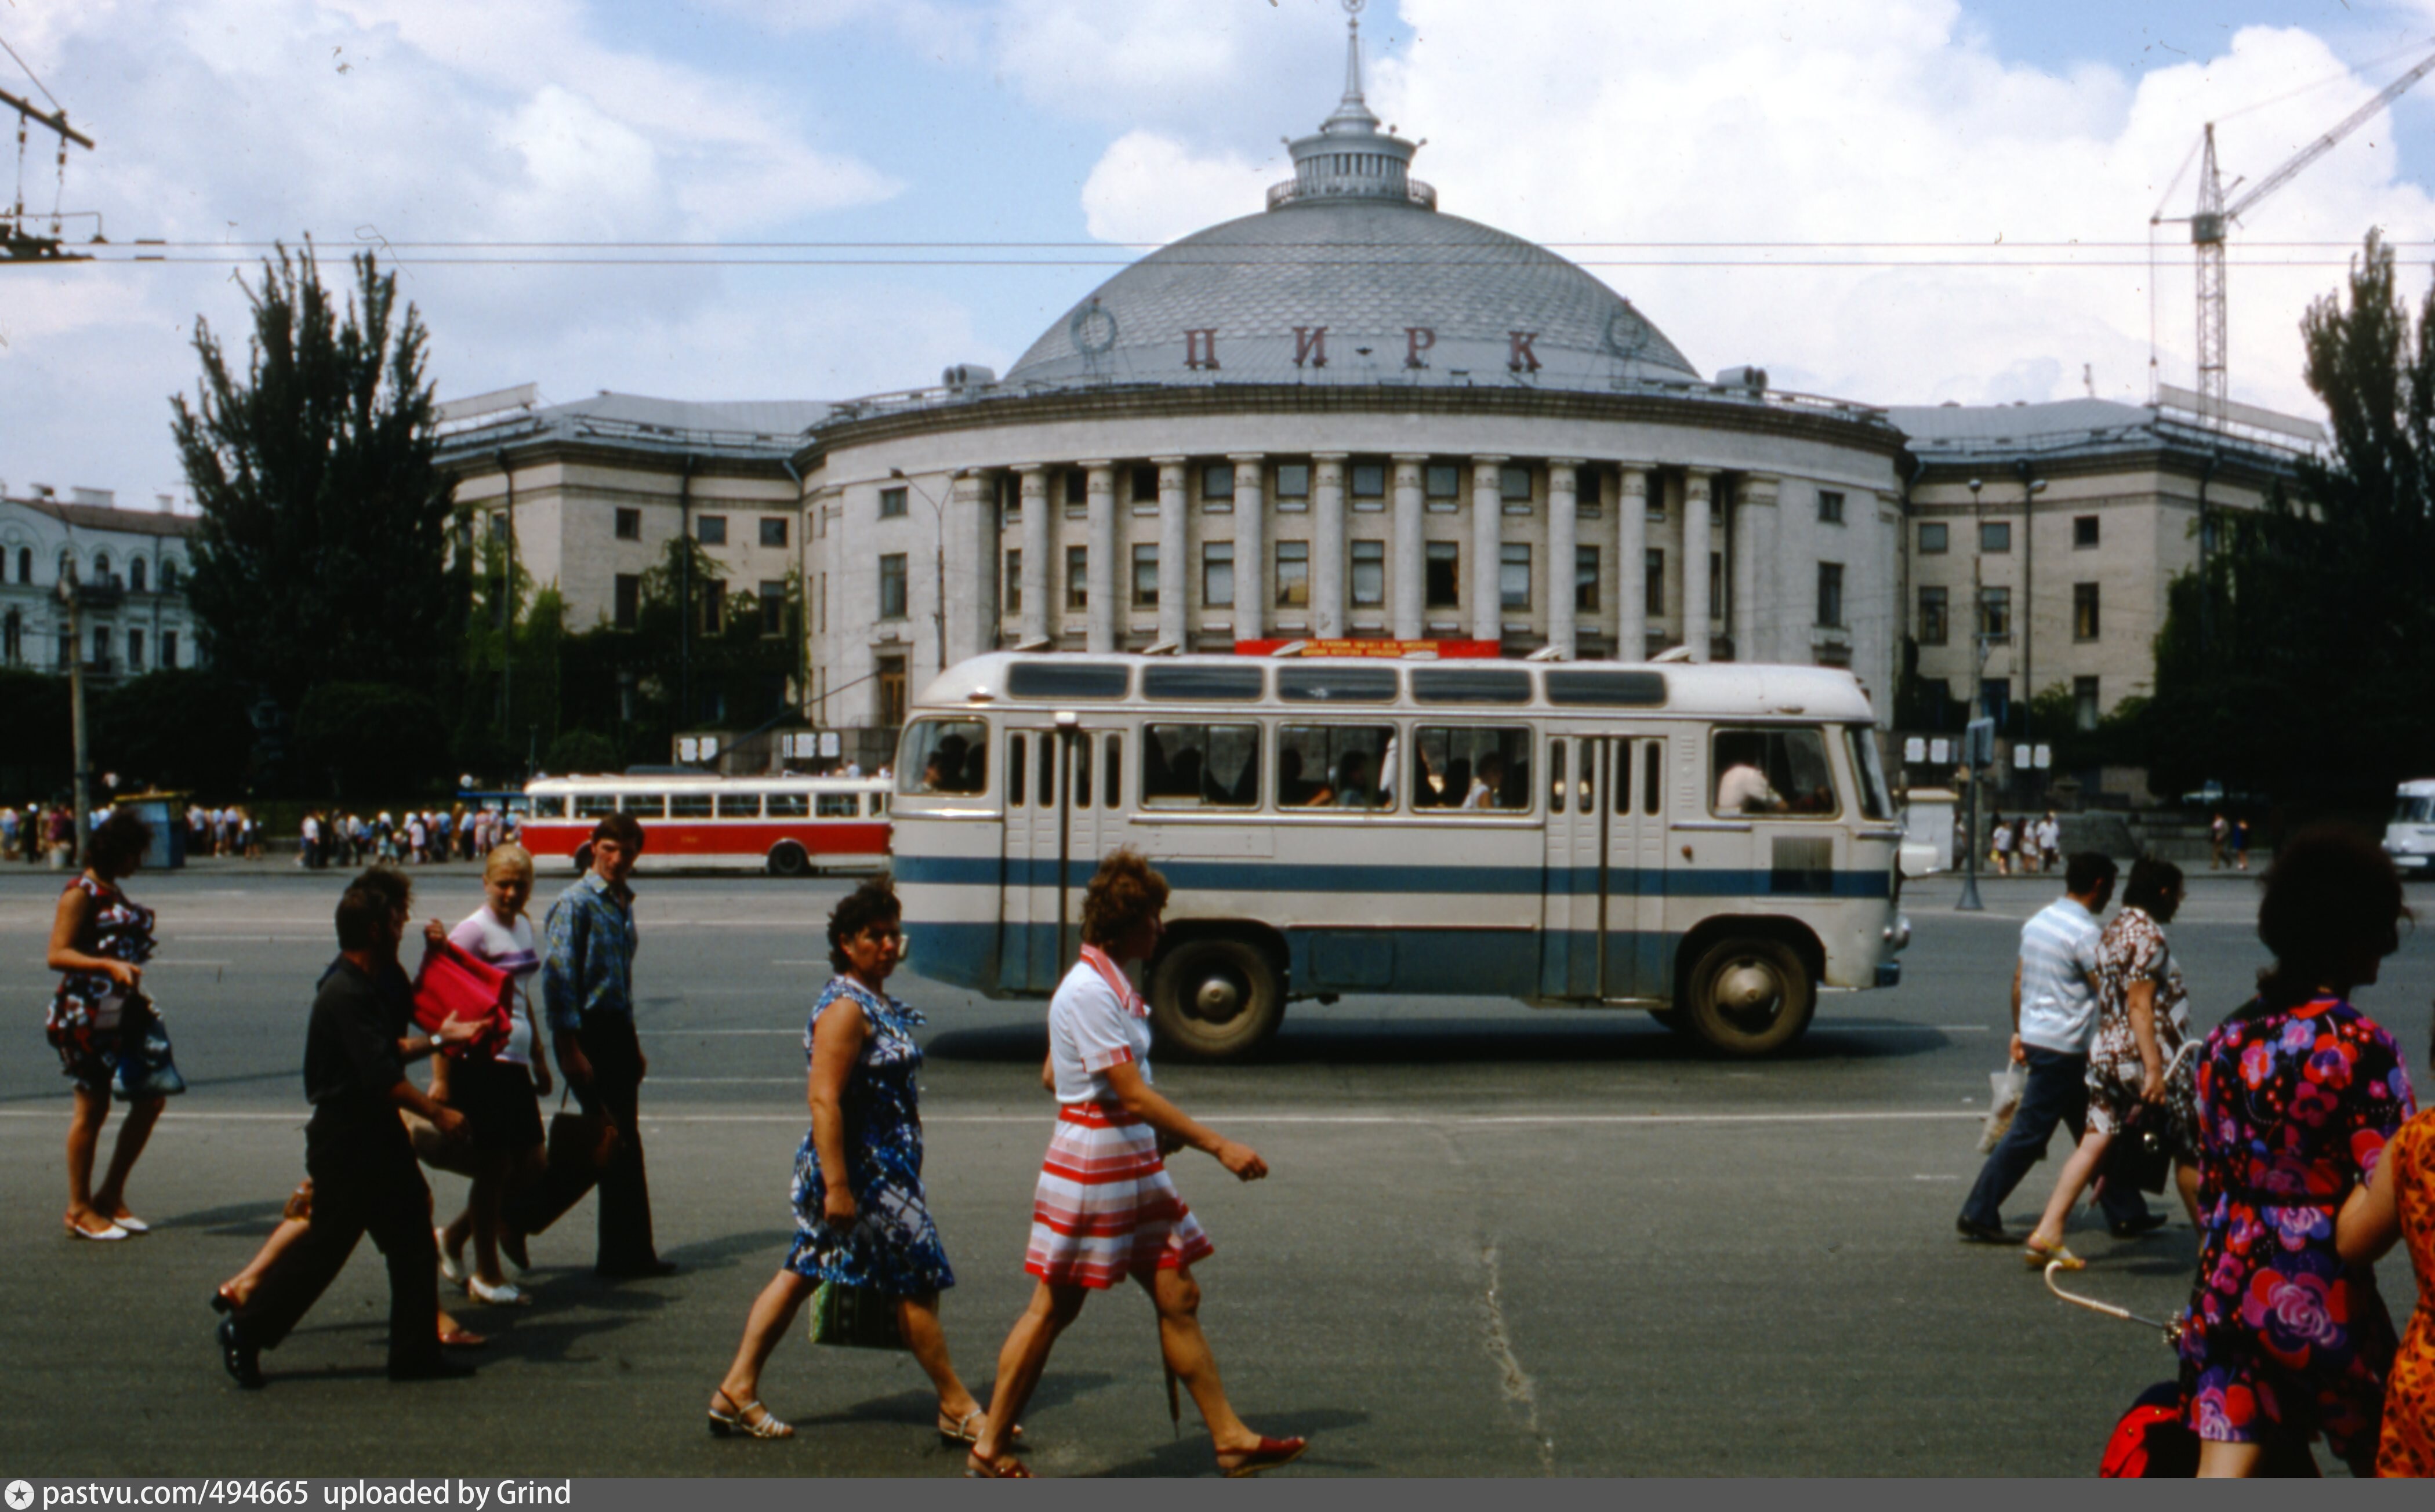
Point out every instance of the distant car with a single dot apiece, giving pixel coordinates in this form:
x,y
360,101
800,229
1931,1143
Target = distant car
x,y
2410,837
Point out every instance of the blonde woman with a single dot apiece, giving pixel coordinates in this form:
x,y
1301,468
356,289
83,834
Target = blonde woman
x,y
499,1094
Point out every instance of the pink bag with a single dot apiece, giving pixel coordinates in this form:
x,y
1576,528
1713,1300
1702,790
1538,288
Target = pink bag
x,y
454,984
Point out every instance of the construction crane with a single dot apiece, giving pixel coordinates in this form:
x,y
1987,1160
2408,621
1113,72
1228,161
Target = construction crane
x,y
2213,218
20,242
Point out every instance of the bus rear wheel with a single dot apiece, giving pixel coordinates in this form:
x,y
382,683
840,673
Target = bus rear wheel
x,y
786,859
1750,997
1215,999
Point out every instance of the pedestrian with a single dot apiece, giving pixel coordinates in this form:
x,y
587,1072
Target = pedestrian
x,y
2298,1093
98,1017
2000,846
2218,833
62,837
2054,1021
365,1179
1103,1207
7,830
2240,843
2050,843
2398,1202
499,1093
2138,1078
587,992
862,1218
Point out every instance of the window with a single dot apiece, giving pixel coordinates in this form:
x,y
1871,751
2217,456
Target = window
x,y
892,503
1441,485
1589,490
1830,508
1217,575
1293,574
1144,485
837,805
1018,752
891,707
25,567
1336,766
1113,778
1293,483
168,572
1935,616
1012,597
1995,536
821,594
647,805
1441,574
1471,769
629,524
169,649
1200,766
1342,682
499,525
2084,611
629,595
1513,486
1066,678
739,805
713,606
1773,771
689,805
1077,490
1996,696
1369,573
135,642
1717,585
1513,577
1655,589
711,529
1077,578
1146,576
891,586
12,639
100,567
2085,706
773,531
773,606
1586,579
1933,538
2083,530
593,805
1469,681
945,756
1830,595
1875,802
1369,484
1996,613
1218,482
791,805
135,576
1590,688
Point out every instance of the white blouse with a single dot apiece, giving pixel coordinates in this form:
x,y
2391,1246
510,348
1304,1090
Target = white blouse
x,y
1090,1029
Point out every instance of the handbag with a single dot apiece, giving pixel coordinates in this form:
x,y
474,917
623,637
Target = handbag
x,y
453,1153
146,1067
855,1318
2006,1088
579,1141
453,985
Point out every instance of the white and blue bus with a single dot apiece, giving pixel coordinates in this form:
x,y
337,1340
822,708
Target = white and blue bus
x,y
1713,844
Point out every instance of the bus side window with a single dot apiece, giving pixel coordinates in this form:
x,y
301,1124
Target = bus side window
x,y
739,805
645,805
840,806
1474,768
1585,780
878,803
1017,748
1201,765
1622,782
1653,777
1773,771
593,805
1336,766
1081,786
1047,770
1114,767
1556,745
689,806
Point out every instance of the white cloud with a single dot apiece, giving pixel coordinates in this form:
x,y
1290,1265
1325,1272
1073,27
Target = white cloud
x,y
1151,188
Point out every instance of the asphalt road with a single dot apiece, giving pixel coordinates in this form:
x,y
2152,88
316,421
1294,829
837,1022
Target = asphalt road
x,y
1497,1240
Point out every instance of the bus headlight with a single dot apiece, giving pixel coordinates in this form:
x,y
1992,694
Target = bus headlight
x,y
1898,933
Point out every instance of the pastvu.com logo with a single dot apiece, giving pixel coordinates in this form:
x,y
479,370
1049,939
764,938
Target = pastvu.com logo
x,y
21,1496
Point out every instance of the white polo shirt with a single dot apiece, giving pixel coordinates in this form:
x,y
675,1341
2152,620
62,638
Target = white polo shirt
x,y
2057,957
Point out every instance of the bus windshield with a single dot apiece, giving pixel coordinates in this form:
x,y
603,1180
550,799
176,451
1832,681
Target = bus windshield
x,y
945,756
2414,811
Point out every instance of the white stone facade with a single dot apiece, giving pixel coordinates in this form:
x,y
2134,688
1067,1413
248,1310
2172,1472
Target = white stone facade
x,y
145,626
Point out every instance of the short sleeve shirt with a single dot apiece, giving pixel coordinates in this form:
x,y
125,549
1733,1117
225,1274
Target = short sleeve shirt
x,y
1090,1029
2059,953
509,947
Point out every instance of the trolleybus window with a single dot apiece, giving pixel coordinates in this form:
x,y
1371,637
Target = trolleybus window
x,y
593,805
1079,790
1470,685
739,805
1652,778
1773,771
1335,684
1875,801
791,805
1115,768
552,806
1201,684
1471,769
1606,690
689,805
1204,765
837,805
1017,748
1336,766
945,756
1062,679
645,805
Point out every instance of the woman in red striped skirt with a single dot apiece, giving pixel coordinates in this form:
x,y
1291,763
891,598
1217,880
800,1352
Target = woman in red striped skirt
x,y
1104,1208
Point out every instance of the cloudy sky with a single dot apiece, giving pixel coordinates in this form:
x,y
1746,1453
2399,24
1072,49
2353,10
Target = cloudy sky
x,y
2018,148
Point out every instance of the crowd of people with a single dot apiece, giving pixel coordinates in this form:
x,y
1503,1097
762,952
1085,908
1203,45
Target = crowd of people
x,y
37,831
2289,1132
2026,844
415,837
231,830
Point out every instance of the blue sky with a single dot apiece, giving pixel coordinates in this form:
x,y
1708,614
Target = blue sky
x,y
1089,121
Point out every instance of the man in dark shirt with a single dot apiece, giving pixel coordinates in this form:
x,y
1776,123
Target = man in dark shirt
x,y
365,1179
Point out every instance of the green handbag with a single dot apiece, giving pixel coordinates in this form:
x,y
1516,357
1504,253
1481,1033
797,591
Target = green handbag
x,y
855,1318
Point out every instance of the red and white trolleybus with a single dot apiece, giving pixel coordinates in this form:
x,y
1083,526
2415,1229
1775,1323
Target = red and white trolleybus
x,y
787,825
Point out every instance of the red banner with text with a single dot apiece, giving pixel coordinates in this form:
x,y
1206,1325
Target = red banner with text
x,y
1392,650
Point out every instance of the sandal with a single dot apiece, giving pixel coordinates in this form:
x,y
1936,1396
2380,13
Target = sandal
x,y
1005,1468
2038,1257
740,1421
1267,1455
461,1338
451,1267
965,1429
504,1294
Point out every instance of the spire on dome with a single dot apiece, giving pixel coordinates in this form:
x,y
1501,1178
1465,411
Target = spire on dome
x,y
1348,157
1353,112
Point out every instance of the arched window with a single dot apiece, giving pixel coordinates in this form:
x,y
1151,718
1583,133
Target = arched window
x,y
101,567
12,640
135,574
24,564
168,574
67,566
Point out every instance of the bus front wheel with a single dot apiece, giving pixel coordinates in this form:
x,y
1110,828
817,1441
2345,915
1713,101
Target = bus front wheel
x,y
1749,997
1215,999
786,859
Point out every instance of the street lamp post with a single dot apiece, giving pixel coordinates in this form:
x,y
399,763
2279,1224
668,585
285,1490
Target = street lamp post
x,y
939,564
1970,902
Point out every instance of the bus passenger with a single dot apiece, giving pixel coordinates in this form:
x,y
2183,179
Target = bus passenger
x,y
1487,784
1744,789
1351,788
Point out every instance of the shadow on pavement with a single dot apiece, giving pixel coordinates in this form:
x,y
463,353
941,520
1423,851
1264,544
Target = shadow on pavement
x,y
1191,1455
1564,1041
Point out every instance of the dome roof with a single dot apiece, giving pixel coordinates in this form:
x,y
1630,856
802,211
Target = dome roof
x,y
1352,277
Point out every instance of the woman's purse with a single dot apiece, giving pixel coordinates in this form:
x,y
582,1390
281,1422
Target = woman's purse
x,y
146,1068
855,1317
454,984
453,1153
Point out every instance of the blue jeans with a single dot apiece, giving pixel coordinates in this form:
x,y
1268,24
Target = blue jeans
x,y
2057,1093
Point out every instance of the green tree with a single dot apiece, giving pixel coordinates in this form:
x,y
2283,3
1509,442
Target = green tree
x,y
183,728
2294,666
34,754
360,740
322,555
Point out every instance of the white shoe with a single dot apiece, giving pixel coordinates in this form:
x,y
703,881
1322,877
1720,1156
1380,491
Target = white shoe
x,y
503,1295
133,1226
97,1235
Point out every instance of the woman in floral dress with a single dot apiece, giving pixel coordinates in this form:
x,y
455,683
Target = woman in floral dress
x,y
100,942
872,1230
2297,1094
2397,1203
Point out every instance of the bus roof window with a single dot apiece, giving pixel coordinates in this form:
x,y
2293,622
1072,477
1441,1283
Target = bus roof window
x,y
1606,690
1470,685
1335,684
1203,684
1064,679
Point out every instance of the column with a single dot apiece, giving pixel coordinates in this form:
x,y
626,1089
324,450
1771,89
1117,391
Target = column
x,y
1487,534
1410,596
1563,528
1251,611
1695,546
1632,565
1750,543
1327,545
1038,613
1099,536
1174,544
972,557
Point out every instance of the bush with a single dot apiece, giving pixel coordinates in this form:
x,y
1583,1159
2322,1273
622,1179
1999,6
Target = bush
x,y
182,729
355,740
582,750
36,749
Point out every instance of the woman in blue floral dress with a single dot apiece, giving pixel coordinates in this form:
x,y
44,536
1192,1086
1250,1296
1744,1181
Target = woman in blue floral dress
x,y
873,1228
2297,1094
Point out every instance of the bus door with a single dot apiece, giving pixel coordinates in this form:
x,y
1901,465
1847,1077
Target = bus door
x,y
1578,768
1060,820
1638,954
